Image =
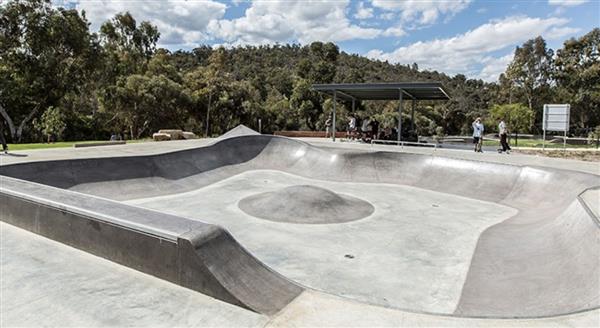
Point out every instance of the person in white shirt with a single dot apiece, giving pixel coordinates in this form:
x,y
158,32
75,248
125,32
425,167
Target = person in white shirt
x,y
328,123
478,134
503,133
351,127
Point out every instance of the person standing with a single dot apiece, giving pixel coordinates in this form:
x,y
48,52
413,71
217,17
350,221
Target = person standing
x,y
366,129
478,134
375,129
503,133
351,127
328,123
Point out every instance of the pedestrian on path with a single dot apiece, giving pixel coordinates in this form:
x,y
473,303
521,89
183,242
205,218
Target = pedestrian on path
x,y
478,130
503,133
2,139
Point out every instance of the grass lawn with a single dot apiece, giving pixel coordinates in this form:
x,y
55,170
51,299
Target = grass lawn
x,y
536,143
60,144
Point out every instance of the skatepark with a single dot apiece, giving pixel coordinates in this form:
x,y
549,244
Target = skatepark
x,y
273,230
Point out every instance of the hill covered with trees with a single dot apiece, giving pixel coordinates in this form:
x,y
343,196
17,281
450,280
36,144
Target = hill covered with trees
x,y
55,72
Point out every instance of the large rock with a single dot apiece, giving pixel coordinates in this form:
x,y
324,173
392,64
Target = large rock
x,y
161,136
189,135
174,134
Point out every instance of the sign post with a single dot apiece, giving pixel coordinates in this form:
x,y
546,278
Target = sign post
x,y
556,118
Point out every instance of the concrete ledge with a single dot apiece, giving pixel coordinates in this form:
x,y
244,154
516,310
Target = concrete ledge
x,y
94,144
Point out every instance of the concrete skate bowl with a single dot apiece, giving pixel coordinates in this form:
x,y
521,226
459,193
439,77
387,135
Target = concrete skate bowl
x,y
446,236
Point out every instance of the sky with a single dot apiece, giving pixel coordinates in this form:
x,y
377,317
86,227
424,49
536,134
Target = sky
x,y
474,38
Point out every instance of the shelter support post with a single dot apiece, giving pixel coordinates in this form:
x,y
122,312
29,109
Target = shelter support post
x,y
400,115
333,119
412,115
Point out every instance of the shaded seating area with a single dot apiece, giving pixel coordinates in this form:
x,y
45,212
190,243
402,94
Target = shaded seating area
x,y
400,91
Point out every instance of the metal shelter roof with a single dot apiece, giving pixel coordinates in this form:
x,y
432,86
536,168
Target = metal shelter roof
x,y
385,91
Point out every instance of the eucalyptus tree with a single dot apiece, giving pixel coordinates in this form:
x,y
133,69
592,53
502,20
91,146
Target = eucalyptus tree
x,y
531,72
45,53
578,77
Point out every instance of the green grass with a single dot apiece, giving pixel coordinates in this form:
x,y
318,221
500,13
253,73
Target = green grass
x,y
60,144
535,143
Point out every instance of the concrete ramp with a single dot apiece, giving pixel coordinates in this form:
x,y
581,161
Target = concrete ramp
x,y
195,255
542,261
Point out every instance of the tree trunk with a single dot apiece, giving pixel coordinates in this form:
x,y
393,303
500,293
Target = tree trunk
x,y
11,125
208,114
25,120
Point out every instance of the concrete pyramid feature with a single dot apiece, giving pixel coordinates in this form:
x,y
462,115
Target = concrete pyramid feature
x,y
238,131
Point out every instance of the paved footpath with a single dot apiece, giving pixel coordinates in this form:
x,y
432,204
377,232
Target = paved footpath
x,y
75,288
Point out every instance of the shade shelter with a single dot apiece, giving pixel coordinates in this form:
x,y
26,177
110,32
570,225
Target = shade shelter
x,y
384,91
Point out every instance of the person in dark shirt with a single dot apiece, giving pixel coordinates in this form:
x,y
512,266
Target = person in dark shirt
x,y
2,139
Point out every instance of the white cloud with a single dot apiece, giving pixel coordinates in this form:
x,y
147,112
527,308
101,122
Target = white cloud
x,y
422,11
387,16
493,67
394,31
179,22
467,53
291,20
566,3
363,12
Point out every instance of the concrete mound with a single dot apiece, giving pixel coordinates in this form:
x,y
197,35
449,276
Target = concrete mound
x,y
240,130
306,204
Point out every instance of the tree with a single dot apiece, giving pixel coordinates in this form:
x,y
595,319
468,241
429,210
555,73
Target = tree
x,y
52,123
319,67
208,87
531,70
44,54
129,46
578,77
518,117
144,103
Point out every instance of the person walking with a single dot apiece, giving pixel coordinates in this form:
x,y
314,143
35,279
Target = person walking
x,y
2,139
503,133
478,134
328,123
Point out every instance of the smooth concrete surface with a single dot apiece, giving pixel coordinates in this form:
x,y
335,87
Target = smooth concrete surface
x,y
45,283
314,309
489,157
542,261
413,252
592,199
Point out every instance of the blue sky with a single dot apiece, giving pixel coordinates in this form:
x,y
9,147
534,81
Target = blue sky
x,y
475,38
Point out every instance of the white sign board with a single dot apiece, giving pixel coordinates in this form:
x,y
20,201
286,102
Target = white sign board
x,y
556,117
